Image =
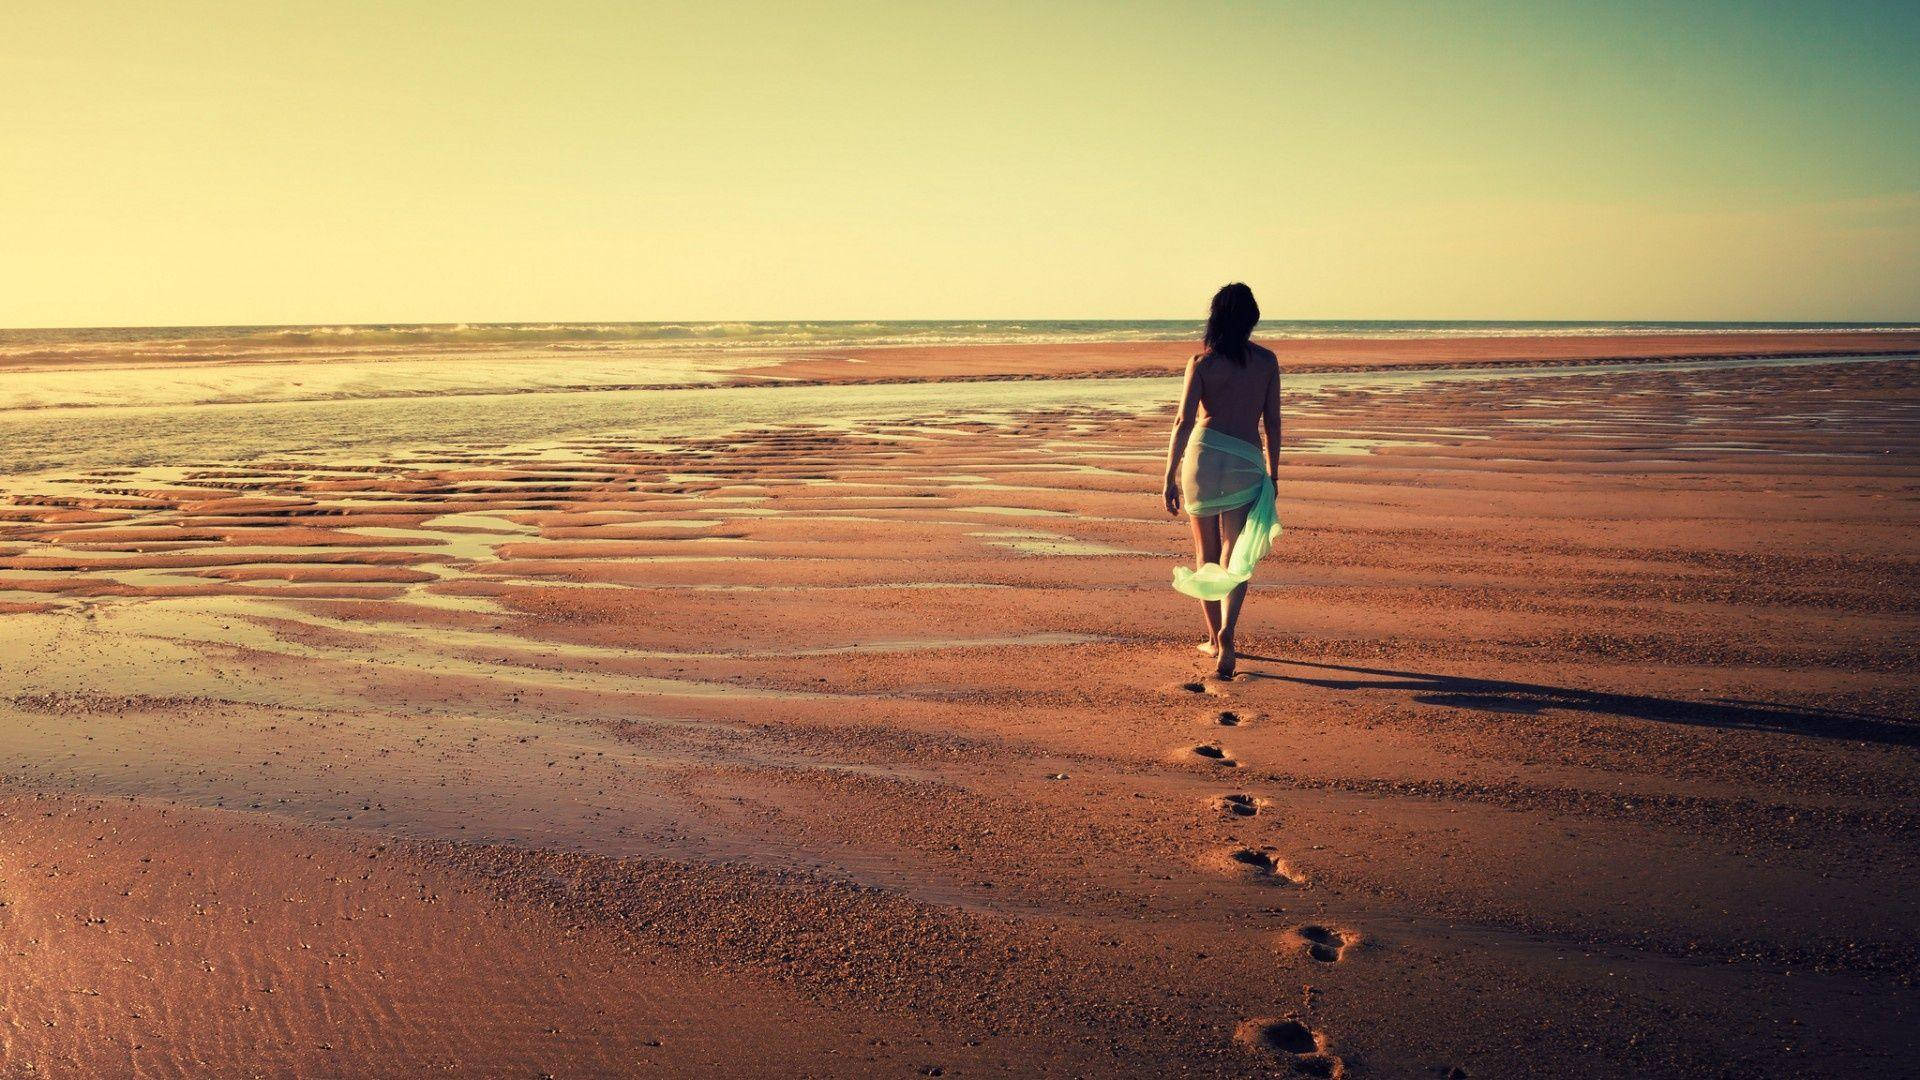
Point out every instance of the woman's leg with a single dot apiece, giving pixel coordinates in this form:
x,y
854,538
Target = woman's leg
x,y
1231,522
1206,549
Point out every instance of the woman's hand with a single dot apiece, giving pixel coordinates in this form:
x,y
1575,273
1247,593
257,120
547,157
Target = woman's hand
x,y
1182,431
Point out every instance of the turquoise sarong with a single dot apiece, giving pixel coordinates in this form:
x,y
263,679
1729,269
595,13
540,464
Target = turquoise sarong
x,y
1220,473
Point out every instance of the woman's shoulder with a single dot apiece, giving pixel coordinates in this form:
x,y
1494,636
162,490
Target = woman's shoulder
x,y
1259,354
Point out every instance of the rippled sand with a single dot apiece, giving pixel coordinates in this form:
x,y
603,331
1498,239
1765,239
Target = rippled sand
x,y
853,729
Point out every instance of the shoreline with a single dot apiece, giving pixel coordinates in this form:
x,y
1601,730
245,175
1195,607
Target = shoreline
x,y
1411,367
412,376
1323,355
204,431
769,381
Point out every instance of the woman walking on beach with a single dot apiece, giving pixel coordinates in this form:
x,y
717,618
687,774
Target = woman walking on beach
x,y
1219,472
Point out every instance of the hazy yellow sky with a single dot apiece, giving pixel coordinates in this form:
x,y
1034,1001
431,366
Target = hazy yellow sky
x,y
207,162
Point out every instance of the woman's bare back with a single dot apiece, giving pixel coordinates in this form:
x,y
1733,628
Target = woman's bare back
x,y
1233,397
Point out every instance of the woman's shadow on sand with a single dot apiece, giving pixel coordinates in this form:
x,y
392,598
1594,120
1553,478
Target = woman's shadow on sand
x,y
1495,695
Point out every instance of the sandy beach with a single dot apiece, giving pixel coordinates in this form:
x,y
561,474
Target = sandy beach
x,y
829,713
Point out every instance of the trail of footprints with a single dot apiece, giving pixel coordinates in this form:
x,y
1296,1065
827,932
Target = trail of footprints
x,y
1286,1039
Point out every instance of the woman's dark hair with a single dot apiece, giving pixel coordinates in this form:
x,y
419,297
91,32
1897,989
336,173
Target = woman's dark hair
x,y
1231,321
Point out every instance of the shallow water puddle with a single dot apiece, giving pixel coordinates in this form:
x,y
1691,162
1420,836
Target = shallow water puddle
x,y
264,628
1011,511
1320,445
1040,543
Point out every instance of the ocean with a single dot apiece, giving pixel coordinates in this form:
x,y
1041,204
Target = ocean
x,y
217,342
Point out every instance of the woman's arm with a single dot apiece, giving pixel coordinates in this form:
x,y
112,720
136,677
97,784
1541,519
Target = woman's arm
x,y
1271,417
1182,430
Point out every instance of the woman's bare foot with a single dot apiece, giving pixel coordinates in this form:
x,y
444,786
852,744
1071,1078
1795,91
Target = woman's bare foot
x,y
1211,647
1224,669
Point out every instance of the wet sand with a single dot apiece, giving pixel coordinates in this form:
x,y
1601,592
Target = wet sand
x,y
801,734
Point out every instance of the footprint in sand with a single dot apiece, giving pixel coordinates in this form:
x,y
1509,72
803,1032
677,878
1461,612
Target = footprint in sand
x,y
1229,719
1291,1041
1326,944
1196,688
1261,864
1217,754
1239,805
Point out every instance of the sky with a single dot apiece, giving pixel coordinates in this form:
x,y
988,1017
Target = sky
x,y
199,162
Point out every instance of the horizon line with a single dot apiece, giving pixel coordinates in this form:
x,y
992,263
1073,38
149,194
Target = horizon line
x,y
1895,323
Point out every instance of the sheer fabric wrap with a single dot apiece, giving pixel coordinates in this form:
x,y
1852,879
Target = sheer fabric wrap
x,y
1219,473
